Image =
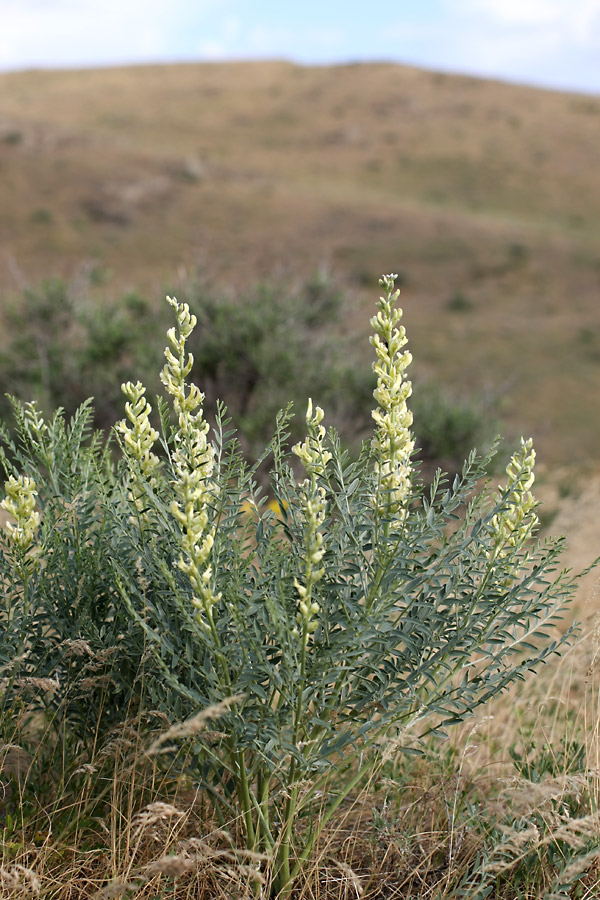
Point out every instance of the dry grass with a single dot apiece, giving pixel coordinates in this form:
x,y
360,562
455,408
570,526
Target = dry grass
x,y
414,831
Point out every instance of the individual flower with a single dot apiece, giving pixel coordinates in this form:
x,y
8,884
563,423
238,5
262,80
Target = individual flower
x,y
20,504
139,438
393,441
515,524
314,458
193,465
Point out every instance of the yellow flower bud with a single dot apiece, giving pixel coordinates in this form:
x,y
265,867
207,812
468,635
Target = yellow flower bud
x,y
20,504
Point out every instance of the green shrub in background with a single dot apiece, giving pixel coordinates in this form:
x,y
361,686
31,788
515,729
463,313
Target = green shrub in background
x,y
345,624
62,348
459,302
447,429
271,347
256,353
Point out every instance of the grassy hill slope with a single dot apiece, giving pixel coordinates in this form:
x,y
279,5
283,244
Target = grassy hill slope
x,y
485,197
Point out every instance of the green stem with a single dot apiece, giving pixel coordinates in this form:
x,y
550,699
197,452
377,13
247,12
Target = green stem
x,y
245,800
282,878
267,841
322,822
237,756
23,642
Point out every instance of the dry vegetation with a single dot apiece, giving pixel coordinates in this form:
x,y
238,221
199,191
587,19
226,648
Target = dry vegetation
x,y
520,780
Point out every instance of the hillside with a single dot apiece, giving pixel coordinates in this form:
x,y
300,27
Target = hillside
x,y
485,197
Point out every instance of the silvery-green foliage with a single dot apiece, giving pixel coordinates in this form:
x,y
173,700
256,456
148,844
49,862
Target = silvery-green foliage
x,y
61,619
349,614
349,617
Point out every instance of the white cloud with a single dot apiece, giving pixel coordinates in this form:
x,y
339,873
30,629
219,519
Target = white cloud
x,y
568,20
512,12
235,39
223,40
550,42
88,32
213,49
269,40
231,38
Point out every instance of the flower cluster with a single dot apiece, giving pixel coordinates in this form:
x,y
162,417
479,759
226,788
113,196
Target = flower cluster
x,y
35,420
139,439
314,458
393,442
20,504
38,429
193,464
514,525
312,453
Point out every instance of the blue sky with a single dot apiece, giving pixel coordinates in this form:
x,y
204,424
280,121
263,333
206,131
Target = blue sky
x,y
553,43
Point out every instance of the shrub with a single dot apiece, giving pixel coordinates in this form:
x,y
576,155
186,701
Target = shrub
x,y
272,346
459,302
241,342
61,349
317,634
446,428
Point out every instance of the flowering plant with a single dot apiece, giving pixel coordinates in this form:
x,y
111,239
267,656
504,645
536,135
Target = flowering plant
x,y
349,621
342,623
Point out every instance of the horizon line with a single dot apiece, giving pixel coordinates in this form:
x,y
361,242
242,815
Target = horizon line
x,y
339,63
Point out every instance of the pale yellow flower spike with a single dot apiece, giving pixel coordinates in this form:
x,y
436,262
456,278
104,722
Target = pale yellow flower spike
x,y
314,458
20,504
193,464
393,441
312,453
139,438
516,523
